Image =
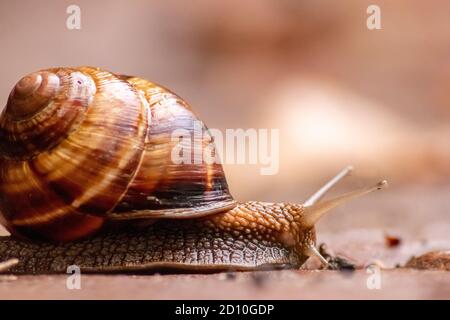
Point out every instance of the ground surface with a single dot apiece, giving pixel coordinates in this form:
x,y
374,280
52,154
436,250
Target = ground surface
x,y
287,284
418,228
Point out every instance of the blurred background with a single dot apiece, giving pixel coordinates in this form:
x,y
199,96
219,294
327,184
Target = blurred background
x,y
339,93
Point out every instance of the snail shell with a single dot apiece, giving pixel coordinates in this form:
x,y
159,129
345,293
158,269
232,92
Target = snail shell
x,y
79,146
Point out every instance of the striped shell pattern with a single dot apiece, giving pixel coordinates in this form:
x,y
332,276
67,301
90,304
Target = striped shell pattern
x,y
80,146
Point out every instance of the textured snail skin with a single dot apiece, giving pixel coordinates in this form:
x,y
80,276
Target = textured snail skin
x,y
251,236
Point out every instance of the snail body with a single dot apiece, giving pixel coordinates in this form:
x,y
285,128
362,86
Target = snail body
x,y
239,239
86,178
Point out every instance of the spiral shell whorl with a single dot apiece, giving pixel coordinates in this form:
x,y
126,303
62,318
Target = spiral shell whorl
x,y
32,93
43,108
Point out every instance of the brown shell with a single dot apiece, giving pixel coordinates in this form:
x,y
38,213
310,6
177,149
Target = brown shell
x,y
82,145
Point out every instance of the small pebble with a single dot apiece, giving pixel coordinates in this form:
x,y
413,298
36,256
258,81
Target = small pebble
x,y
392,241
227,276
259,279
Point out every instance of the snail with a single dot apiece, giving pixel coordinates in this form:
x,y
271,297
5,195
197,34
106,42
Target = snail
x,y
86,179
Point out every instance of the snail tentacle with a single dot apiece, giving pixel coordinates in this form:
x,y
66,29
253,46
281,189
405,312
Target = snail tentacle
x,y
312,251
319,194
314,212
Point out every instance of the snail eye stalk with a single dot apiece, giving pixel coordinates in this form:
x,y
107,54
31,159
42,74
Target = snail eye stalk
x,y
315,209
327,186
